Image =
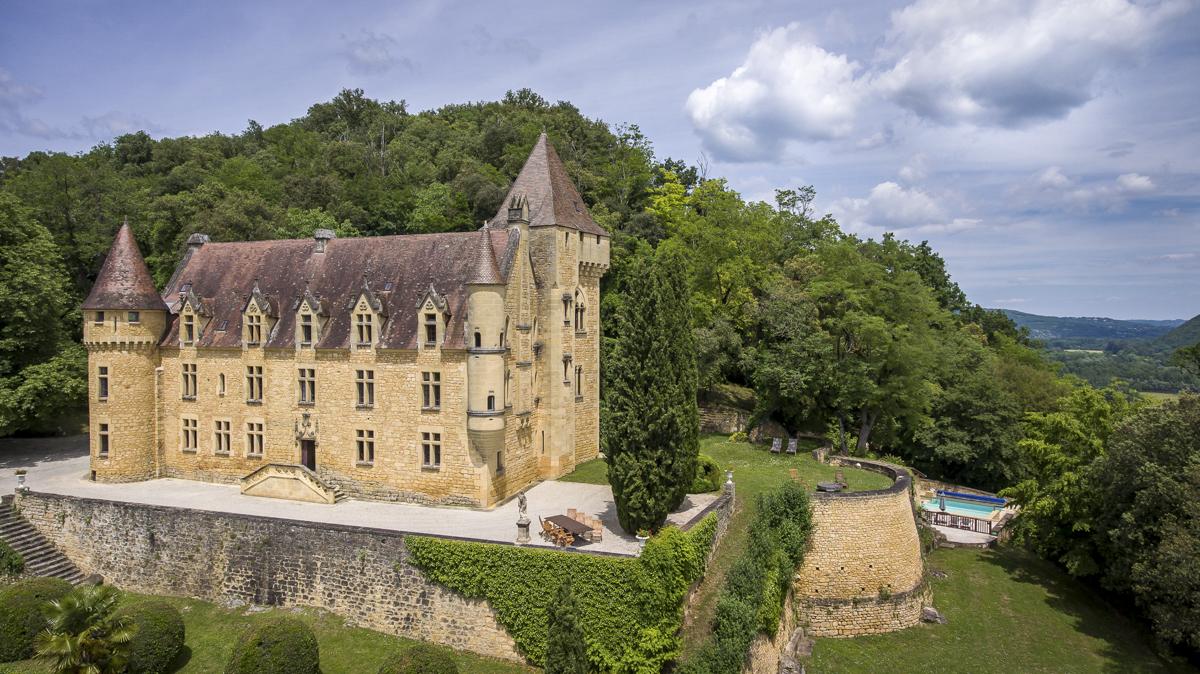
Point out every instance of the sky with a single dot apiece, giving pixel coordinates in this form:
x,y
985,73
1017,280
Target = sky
x,y
1050,151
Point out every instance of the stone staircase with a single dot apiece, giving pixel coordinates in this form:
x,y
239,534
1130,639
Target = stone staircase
x,y
41,558
338,494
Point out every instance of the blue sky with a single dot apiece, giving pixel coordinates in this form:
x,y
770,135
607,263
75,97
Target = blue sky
x,y
1049,150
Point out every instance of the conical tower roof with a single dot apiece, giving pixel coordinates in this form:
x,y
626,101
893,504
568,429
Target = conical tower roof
x,y
552,197
486,269
124,281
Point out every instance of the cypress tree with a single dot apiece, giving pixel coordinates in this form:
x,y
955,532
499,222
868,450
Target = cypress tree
x,y
566,652
651,434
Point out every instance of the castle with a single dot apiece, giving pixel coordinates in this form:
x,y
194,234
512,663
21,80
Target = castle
x,y
454,368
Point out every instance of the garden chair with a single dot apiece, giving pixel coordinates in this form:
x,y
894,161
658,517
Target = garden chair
x,y
573,514
791,446
776,445
548,529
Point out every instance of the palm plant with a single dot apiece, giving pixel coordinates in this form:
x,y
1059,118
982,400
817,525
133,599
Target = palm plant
x,y
84,636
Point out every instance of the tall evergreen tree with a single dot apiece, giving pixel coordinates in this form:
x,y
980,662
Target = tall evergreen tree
x,y
566,652
652,424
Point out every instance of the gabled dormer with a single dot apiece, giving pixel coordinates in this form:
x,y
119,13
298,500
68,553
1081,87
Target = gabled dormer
x,y
433,314
193,316
258,319
310,320
366,319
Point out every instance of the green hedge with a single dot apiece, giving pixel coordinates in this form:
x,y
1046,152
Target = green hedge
x,y
752,597
277,645
630,609
708,476
159,637
23,614
11,562
420,659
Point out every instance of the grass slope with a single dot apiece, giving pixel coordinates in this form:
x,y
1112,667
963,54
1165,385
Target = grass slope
x,y
1008,611
212,630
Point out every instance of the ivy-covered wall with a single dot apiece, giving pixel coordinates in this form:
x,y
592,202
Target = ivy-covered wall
x,y
630,608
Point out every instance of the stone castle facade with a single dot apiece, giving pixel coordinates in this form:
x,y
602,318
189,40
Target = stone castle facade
x,y
453,368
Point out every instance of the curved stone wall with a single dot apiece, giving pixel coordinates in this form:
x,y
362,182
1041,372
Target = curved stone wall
x,y
864,573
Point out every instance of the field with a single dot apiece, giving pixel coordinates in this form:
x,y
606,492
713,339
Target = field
x,y
1008,611
1159,397
211,631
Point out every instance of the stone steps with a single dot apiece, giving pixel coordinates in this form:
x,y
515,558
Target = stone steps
x,y
41,558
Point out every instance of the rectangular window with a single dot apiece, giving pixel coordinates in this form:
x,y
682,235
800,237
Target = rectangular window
x,y
500,463
254,438
365,329
254,383
579,381
308,386
253,329
364,382
431,390
135,317
102,382
431,450
102,441
491,401
221,437
366,446
189,329
221,384
191,435
99,318
189,381
306,329
430,329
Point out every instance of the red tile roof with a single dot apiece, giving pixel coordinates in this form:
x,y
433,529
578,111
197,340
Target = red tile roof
x,y
124,281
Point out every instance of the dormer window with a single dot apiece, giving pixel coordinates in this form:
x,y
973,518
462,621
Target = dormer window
x,y
306,329
430,329
188,332
253,329
364,328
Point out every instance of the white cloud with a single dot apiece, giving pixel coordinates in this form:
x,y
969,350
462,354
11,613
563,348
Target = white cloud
x,y
371,53
787,89
1133,182
1052,178
915,170
987,63
1178,257
1053,188
890,207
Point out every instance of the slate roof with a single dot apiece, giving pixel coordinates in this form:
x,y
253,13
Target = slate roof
x,y
124,281
552,197
397,270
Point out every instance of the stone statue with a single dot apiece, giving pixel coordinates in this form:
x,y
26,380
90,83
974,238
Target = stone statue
x,y
522,504
522,520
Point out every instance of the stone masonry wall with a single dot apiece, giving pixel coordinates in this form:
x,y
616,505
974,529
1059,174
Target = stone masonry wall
x,y
361,574
864,573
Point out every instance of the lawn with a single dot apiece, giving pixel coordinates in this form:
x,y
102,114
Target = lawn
x,y
211,631
1008,611
1159,397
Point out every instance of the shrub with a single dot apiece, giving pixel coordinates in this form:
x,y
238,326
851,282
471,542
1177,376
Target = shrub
x,y
23,611
11,562
159,637
420,659
708,476
84,634
739,436
566,652
277,645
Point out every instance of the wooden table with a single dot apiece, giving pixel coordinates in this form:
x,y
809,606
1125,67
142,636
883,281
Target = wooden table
x,y
574,527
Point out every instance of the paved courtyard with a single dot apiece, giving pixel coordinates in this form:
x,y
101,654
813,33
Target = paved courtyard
x,y
60,466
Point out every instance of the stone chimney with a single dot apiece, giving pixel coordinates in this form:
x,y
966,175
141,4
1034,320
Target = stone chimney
x,y
323,236
195,241
518,211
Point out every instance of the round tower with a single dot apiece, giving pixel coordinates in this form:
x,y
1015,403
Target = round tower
x,y
486,350
123,320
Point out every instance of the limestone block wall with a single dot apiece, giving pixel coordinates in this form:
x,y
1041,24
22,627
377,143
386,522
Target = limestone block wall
x,y
361,574
864,573
722,419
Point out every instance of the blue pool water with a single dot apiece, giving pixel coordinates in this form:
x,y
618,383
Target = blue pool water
x,y
959,507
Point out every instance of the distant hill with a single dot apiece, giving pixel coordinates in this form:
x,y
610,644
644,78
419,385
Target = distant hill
x,y
1185,334
1060,327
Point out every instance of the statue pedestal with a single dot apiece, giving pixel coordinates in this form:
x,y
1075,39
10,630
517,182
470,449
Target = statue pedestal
x,y
523,531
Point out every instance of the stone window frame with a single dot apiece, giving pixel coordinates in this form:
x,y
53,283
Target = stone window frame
x,y
254,427
580,312
364,447
578,383
222,436
189,429
431,391
103,438
134,317
364,389
103,382
427,314
306,386
254,380
98,318
252,334
189,380
221,388
188,334
364,327
306,321
431,441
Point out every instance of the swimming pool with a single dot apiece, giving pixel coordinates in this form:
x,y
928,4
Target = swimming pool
x,y
956,506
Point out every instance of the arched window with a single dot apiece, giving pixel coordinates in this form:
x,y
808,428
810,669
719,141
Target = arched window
x,y
579,381
491,401
580,308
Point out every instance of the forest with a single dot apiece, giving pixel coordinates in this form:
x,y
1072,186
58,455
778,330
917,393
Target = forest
x,y
870,342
